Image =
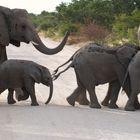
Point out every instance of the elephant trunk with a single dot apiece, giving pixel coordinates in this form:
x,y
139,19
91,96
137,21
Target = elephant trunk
x,y
43,49
51,92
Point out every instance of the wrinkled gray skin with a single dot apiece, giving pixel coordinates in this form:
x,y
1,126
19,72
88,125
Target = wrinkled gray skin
x,y
16,27
24,74
96,65
134,74
110,99
113,89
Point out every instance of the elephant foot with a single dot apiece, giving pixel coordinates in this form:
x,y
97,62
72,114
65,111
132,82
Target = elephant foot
x,y
137,105
93,105
113,106
11,101
71,101
83,102
34,104
19,98
130,108
104,103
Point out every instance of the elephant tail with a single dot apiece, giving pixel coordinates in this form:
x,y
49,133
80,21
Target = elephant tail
x,y
127,72
51,92
125,77
71,58
124,80
55,76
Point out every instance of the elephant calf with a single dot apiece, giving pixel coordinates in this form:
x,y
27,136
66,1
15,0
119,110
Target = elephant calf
x,y
24,74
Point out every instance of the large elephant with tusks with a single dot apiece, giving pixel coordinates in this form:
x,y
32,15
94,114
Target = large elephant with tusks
x,y
16,27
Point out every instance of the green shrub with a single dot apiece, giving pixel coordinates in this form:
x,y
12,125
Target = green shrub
x,y
64,27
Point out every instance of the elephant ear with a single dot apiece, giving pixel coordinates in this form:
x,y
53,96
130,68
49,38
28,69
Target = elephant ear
x,y
44,72
125,54
35,74
4,26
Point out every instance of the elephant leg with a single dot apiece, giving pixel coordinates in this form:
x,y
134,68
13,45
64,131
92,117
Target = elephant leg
x,y
77,92
130,103
18,92
93,98
29,86
25,95
106,100
72,98
127,89
115,88
10,98
127,86
112,95
3,55
82,98
86,79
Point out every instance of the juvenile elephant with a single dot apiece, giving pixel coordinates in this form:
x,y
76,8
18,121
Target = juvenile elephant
x,y
23,74
113,88
96,65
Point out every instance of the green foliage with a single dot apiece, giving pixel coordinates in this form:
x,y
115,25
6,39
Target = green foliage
x,y
120,17
64,27
50,33
126,26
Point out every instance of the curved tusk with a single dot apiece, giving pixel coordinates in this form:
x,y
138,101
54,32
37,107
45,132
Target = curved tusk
x,y
34,43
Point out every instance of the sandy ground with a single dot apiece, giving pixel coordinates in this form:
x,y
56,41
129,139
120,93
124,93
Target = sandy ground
x,y
58,120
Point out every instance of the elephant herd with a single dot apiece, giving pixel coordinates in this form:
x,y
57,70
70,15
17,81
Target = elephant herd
x,y
93,64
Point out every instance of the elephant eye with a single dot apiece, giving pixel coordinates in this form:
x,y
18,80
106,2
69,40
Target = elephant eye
x,y
23,27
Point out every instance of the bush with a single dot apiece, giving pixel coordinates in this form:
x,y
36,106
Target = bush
x,y
44,26
125,27
95,32
50,33
64,27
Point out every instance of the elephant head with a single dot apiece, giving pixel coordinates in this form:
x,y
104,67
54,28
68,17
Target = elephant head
x,y
41,74
16,27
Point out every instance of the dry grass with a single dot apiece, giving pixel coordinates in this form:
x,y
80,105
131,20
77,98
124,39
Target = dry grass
x,y
89,32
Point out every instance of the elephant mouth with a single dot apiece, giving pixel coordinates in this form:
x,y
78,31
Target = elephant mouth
x,y
47,83
25,40
15,42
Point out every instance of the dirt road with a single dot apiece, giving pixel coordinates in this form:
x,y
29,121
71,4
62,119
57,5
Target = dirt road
x,y
58,120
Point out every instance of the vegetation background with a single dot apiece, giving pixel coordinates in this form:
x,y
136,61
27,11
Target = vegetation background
x,y
103,21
